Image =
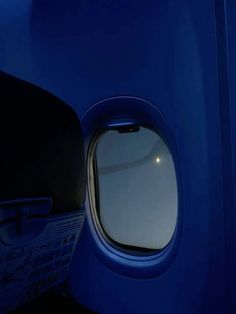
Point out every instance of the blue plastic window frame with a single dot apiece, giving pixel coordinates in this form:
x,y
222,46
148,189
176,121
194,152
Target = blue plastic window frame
x,y
94,122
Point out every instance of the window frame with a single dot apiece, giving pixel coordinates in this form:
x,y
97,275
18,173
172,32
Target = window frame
x,y
94,121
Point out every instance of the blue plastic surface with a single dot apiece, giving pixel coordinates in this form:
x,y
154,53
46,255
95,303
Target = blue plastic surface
x,y
166,52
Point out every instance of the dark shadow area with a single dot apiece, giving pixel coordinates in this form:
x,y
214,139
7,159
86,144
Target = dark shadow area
x,y
52,303
42,152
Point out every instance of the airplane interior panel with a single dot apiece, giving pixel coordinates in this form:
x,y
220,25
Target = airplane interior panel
x,y
117,157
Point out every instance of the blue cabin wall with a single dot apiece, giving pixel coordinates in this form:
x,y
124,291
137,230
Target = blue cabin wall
x,y
166,53
231,29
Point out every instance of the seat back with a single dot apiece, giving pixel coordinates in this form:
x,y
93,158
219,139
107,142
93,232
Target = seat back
x,y
42,190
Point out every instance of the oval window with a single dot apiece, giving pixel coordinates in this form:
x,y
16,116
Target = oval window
x,y
135,188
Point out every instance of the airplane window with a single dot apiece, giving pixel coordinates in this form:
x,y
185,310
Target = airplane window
x,y
136,188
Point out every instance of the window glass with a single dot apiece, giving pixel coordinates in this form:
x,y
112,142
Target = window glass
x,y
137,199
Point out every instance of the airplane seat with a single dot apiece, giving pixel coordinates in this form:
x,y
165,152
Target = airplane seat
x,y
42,190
